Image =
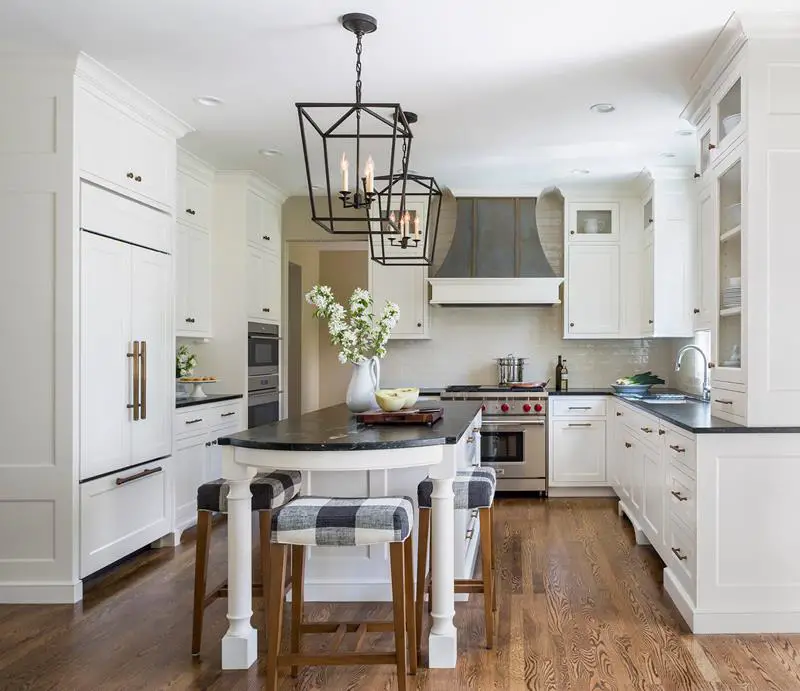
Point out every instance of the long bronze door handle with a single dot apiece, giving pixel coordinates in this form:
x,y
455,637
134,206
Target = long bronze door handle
x,y
138,476
143,376
135,356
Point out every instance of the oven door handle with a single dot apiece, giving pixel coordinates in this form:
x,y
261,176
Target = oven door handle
x,y
254,337
257,398
503,425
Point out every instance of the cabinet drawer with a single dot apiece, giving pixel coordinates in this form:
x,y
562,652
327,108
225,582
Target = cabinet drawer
x,y
192,421
123,512
729,404
115,216
681,498
681,545
228,415
681,451
571,406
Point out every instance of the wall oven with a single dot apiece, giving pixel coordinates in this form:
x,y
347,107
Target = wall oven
x,y
263,350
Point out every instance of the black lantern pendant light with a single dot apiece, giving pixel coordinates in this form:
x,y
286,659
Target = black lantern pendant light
x,y
410,219
334,135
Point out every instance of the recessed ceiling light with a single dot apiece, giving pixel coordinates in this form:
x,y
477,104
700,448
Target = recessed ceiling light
x,y
667,154
208,100
270,152
685,133
603,108
580,171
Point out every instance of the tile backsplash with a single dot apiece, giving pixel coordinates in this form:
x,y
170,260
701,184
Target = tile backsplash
x,y
465,341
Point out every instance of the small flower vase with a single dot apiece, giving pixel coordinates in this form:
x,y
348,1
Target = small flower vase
x,y
363,384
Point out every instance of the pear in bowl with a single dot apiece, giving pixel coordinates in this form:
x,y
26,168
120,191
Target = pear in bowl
x,y
411,396
389,400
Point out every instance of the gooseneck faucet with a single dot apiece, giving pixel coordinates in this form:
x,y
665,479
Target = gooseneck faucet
x,y
691,346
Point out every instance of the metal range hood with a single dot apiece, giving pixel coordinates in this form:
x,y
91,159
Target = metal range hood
x,y
496,257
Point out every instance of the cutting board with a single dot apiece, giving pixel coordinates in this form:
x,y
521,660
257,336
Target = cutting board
x,y
413,416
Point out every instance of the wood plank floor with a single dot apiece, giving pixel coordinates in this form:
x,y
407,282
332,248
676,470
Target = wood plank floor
x,y
581,607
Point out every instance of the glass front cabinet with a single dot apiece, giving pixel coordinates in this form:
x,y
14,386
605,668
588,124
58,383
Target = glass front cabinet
x,y
593,222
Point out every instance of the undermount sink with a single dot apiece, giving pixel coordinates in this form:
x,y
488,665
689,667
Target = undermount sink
x,y
666,398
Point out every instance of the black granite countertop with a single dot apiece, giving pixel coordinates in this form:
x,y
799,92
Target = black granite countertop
x,y
581,391
210,398
335,429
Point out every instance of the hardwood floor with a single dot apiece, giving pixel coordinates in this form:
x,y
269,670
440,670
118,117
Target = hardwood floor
x,y
580,607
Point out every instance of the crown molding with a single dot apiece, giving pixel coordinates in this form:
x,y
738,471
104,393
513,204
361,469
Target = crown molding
x,y
195,166
91,72
256,181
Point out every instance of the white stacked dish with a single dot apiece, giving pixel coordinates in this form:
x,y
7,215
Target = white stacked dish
x,y
730,123
731,295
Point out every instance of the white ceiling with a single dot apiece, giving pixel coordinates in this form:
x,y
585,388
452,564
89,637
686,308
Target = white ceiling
x,y
502,88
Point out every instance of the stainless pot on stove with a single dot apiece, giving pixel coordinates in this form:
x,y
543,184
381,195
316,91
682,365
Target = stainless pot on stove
x,y
510,369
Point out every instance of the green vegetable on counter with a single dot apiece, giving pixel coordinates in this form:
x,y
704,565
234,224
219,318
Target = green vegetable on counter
x,y
643,378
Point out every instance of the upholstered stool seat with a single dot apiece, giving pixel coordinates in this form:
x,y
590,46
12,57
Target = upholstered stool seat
x,y
269,490
473,489
342,522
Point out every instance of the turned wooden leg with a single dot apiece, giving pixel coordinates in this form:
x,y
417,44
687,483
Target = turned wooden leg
x,y
398,605
202,548
488,590
422,569
265,534
275,613
408,559
494,561
298,579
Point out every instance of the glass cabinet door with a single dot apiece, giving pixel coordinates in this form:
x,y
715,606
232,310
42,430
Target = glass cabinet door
x,y
593,222
704,149
727,115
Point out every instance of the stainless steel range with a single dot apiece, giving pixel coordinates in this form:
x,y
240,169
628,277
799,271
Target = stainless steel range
x,y
513,434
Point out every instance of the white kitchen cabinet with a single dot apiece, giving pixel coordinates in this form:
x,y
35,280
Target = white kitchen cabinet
x,y
263,222
635,471
263,285
653,494
125,302
591,222
189,460
407,286
579,453
119,151
728,115
592,291
647,266
192,281
194,197
705,258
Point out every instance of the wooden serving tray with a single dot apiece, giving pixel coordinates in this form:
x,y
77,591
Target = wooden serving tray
x,y
413,416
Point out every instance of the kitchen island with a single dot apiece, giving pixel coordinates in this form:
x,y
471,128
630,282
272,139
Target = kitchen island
x,y
341,457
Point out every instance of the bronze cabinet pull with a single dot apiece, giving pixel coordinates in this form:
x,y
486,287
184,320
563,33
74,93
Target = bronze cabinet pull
x,y
646,430
619,414
661,432
677,448
723,401
580,407
194,422
628,445
711,147
191,212
138,476
696,310
129,176
143,378
265,309
679,496
579,424
677,552
138,178
233,412
135,356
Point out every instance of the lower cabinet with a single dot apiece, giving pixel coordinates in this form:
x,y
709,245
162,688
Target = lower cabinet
x,y
197,457
579,452
653,491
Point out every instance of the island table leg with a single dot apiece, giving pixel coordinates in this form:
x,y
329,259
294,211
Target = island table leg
x,y
442,641
239,645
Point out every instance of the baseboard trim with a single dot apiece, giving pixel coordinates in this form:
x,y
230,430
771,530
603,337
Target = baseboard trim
x,y
40,593
565,492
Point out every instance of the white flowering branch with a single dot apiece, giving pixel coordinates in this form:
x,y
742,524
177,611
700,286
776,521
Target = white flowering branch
x,y
356,332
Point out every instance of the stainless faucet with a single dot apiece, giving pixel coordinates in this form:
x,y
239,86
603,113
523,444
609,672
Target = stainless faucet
x,y
691,346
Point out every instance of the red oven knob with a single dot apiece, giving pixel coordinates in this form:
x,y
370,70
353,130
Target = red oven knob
x,y
538,407
483,408
527,407
504,407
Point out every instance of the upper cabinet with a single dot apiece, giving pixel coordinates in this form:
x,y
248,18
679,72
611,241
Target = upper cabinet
x,y
263,220
727,115
593,222
194,186
705,260
592,291
117,150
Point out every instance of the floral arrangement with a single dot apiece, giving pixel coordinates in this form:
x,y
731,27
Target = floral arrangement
x,y
358,333
185,362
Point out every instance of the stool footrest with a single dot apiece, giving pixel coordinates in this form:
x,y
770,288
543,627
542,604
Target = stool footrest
x,y
468,585
342,659
349,626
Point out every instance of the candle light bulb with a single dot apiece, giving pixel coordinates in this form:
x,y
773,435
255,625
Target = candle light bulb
x,y
369,175
344,165
393,221
416,227
406,223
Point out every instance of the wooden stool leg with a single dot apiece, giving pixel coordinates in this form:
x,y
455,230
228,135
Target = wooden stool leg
x,y
398,603
265,534
275,612
422,569
488,590
494,561
408,559
202,547
298,579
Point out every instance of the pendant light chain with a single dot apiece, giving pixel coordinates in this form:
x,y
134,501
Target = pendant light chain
x,y
359,49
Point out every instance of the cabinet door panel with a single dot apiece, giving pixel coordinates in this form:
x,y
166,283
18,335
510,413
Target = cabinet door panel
x,y
151,324
106,369
705,280
407,287
199,280
194,201
271,267
255,292
647,323
183,314
593,282
189,461
579,452
653,495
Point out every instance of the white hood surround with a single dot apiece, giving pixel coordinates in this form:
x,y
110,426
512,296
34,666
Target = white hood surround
x,y
496,257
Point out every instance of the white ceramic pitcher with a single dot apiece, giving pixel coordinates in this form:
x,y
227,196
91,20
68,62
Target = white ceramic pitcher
x,y
364,381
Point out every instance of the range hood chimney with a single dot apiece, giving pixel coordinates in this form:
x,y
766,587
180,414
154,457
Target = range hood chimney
x,y
496,257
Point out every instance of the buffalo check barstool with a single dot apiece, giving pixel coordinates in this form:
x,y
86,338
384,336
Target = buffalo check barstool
x,y
474,490
341,522
270,491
